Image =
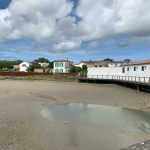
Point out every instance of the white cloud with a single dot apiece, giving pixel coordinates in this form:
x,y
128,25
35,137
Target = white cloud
x,y
64,46
112,17
49,20
32,18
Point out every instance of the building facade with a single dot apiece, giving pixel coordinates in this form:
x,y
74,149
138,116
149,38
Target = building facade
x,y
139,68
43,64
62,66
133,69
24,66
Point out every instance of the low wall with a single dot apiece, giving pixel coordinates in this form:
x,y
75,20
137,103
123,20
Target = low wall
x,y
30,74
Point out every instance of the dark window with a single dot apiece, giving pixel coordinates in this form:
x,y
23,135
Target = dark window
x,y
128,69
24,65
135,68
123,70
143,67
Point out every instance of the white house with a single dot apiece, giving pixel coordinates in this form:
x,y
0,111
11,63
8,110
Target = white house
x,y
24,66
116,63
92,63
105,68
87,63
139,68
43,64
133,69
62,66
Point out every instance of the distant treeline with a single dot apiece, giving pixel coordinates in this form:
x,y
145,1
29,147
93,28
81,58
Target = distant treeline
x,y
8,65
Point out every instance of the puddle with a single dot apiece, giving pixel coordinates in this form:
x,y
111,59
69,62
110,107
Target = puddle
x,y
86,126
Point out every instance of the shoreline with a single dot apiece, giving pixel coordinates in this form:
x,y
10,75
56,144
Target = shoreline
x,y
21,125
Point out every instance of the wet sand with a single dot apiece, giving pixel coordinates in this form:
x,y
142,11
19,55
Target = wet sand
x,y
23,128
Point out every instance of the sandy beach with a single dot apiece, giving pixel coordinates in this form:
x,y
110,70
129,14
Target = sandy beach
x,y
23,128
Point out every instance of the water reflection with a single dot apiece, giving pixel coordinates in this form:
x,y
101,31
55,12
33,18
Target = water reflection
x,y
87,126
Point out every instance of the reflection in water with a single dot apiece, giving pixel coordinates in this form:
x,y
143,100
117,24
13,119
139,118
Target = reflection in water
x,y
94,126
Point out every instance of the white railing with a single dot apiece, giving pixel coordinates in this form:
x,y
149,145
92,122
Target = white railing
x,y
121,78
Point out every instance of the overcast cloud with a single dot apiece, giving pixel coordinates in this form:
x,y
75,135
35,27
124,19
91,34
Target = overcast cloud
x,y
50,20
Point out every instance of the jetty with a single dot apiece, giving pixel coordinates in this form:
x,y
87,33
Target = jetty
x,y
135,82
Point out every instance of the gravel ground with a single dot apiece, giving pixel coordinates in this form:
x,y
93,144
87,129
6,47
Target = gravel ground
x,y
139,146
23,128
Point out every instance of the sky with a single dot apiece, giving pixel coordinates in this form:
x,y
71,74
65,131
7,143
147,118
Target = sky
x,y
74,29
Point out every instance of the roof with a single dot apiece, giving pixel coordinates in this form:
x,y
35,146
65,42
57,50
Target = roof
x,y
96,63
143,62
90,62
42,63
25,62
62,60
117,61
101,63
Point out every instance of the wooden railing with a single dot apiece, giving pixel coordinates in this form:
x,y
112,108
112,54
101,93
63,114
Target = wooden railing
x,y
135,79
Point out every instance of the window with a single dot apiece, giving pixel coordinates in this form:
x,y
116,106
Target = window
x,y
123,70
143,68
135,68
128,69
24,65
56,64
61,70
56,70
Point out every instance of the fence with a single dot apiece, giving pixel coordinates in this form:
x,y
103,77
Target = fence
x,y
31,74
134,79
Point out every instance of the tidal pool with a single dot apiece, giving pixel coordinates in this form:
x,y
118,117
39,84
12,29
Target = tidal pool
x,y
94,127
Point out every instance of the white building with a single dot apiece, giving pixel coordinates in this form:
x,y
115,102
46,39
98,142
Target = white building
x,y
62,66
24,66
92,63
43,64
87,63
133,69
105,68
116,63
140,69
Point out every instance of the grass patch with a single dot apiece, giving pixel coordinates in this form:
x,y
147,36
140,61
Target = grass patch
x,y
56,77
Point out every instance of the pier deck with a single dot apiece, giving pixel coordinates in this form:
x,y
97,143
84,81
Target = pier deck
x,y
129,81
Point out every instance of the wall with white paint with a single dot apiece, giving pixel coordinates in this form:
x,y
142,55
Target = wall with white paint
x,y
140,70
24,66
137,70
104,71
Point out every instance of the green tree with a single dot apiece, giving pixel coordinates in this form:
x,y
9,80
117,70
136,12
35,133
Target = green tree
x,y
6,65
84,68
51,65
33,66
17,62
108,59
74,69
42,60
127,60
